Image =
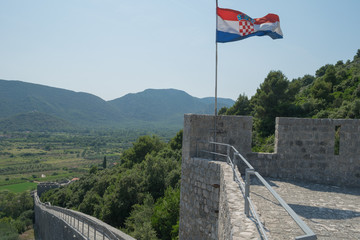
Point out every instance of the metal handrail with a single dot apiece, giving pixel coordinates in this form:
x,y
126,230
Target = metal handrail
x,y
85,220
245,189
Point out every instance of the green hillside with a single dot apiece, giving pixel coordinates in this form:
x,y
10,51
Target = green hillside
x,y
150,109
164,105
77,108
334,92
35,122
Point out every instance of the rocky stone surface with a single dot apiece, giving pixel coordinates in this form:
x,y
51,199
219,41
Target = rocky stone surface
x,y
332,212
233,223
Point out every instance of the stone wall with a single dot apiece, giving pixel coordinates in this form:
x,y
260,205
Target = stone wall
x,y
199,202
47,226
53,223
305,150
46,186
200,129
201,179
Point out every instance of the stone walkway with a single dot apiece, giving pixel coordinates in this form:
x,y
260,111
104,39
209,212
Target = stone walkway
x,y
83,228
331,212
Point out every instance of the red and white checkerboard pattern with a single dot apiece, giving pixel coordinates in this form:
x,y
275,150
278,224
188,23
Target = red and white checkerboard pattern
x,y
245,27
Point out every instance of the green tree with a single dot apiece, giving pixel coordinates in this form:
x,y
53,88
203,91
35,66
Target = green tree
x,y
357,56
241,106
91,204
166,214
304,81
176,142
127,190
330,75
138,224
322,90
93,170
321,71
8,232
222,111
143,145
104,162
16,212
273,99
355,109
161,171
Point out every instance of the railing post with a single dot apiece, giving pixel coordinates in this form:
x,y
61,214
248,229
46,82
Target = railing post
x,y
197,151
248,171
227,153
234,158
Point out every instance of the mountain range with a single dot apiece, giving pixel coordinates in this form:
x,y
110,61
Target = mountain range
x,y
34,107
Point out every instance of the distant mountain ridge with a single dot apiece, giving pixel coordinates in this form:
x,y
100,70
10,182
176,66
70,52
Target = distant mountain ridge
x,y
164,105
152,107
80,109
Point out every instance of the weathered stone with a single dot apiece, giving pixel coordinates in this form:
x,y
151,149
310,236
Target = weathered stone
x,y
304,150
55,223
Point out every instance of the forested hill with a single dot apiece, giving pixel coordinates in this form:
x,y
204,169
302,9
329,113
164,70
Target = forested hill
x,y
165,105
18,97
334,92
35,121
151,108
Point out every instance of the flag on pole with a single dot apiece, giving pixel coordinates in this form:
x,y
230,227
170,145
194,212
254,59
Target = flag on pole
x,y
234,25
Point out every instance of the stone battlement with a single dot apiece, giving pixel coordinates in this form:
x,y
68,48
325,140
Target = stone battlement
x,y
305,150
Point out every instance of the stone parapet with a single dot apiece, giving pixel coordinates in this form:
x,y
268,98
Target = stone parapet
x,y
201,181
55,223
46,186
199,201
305,150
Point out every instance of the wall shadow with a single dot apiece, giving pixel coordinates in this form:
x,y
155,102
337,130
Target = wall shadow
x,y
310,212
317,186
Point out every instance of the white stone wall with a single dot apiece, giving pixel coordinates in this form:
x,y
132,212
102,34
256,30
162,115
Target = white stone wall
x,y
55,223
199,200
304,150
212,205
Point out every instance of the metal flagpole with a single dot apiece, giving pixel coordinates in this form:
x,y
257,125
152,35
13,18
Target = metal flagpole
x,y
216,61
216,67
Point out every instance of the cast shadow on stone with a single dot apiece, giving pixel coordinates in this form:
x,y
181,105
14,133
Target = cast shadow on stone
x,y
311,186
310,212
257,182
325,188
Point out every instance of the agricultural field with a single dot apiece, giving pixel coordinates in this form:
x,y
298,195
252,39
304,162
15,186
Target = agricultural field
x,y
19,187
27,158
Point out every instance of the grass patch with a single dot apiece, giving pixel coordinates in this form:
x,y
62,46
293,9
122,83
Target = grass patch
x,y
58,177
19,187
28,235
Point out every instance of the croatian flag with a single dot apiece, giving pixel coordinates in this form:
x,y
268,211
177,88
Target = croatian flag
x,y
234,25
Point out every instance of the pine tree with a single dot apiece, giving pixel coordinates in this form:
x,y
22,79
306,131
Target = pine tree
x,y
104,162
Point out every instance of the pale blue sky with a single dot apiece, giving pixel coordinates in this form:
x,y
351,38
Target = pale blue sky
x,y
113,47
